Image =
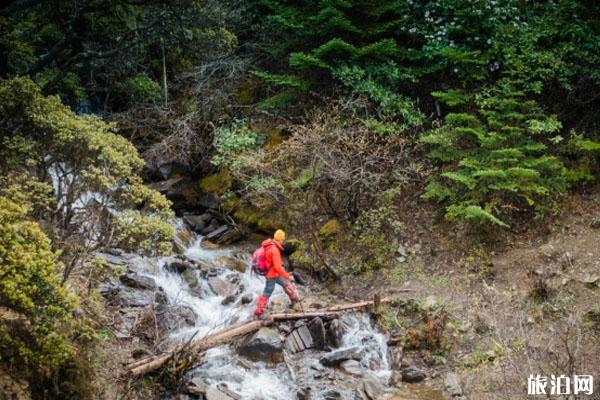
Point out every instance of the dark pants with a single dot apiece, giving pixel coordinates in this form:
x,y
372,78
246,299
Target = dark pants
x,y
270,285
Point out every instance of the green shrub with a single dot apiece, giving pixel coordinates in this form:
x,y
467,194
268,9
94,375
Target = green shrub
x,y
34,307
497,160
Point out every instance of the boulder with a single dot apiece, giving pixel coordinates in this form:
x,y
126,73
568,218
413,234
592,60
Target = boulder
x,y
136,298
335,333
412,374
264,345
373,388
317,332
211,227
216,231
299,340
331,395
231,263
247,298
197,222
335,357
220,286
137,281
304,393
452,385
228,300
179,266
351,367
190,276
173,317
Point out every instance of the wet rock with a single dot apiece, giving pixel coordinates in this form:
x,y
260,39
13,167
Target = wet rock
x,y
220,392
332,395
299,340
373,388
228,300
335,357
160,297
172,317
190,276
211,227
197,222
351,367
335,333
304,393
217,232
247,298
264,345
452,385
317,331
197,387
129,297
231,263
179,266
220,286
137,281
412,374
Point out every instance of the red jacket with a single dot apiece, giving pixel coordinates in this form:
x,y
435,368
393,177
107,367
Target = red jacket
x,y
273,260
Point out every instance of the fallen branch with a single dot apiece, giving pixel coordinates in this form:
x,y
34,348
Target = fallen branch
x,y
226,335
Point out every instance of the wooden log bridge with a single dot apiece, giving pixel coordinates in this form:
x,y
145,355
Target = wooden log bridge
x,y
152,363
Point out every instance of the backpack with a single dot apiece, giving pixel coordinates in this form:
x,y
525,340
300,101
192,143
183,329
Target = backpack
x,y
259,264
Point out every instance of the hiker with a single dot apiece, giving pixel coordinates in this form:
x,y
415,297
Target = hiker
x,y
267,262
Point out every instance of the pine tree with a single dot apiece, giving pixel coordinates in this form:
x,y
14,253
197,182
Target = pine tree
x,y
496,157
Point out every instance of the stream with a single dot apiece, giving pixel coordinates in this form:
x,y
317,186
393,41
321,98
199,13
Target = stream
x,y
301,376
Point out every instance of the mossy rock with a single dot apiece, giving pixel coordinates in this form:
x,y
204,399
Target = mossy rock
x,y
217,183
264,221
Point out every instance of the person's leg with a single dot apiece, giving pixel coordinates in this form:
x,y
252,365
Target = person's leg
x,y
262,301
289,289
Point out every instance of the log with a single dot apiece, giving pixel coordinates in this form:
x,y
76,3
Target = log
x,y
149,364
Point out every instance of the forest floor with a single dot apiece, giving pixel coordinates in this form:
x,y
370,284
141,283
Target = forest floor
x,y
528,307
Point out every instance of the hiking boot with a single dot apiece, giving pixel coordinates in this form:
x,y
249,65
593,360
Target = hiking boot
x,y
261,304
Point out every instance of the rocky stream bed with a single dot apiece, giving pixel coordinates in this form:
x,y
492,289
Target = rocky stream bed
x,y
159,301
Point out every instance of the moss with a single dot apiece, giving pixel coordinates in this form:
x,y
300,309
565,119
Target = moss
x,y
274,137
266,222
217,183
330,229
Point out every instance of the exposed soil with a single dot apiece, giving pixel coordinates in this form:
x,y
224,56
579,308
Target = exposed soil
x,y
514,308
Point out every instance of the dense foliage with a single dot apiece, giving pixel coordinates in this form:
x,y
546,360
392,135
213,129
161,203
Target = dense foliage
x,y
508,86
34,307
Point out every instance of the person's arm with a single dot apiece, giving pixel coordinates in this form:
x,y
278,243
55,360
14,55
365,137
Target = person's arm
x,y
278,264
